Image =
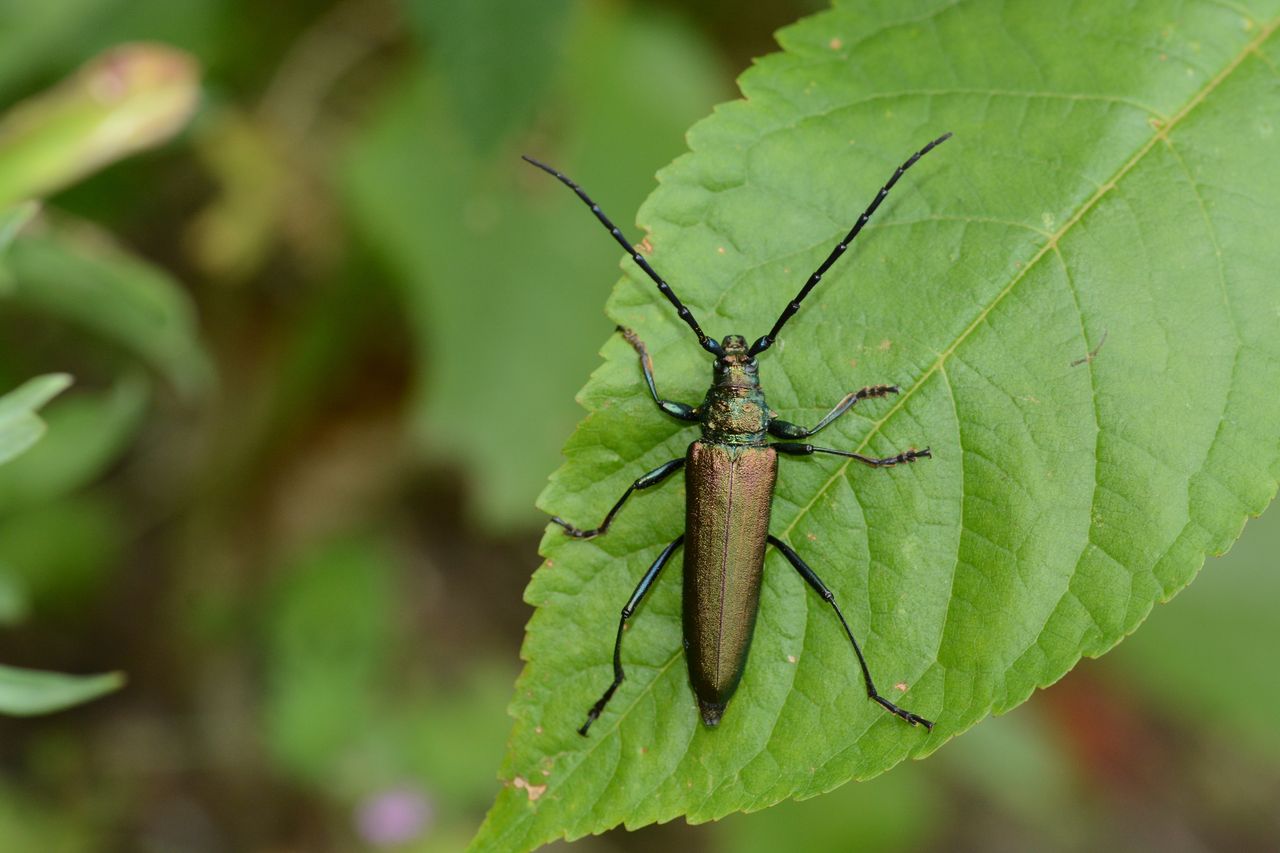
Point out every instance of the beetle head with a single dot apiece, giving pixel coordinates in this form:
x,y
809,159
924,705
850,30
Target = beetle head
x,y
735,350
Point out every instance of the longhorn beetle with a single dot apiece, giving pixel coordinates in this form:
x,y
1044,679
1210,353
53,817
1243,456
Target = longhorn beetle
x,y
731,472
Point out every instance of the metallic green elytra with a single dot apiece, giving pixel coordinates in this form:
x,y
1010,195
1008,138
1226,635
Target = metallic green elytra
x,y
731,471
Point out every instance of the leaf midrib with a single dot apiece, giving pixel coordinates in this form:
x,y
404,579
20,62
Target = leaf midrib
x,y
1161,133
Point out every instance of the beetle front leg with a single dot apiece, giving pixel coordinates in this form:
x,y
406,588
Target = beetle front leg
x,y
907,456
786,429
632,603
682,411
829,597
653,478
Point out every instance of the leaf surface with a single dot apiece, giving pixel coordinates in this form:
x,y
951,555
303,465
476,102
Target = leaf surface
x,y
26,692
80,275
1077,296
20,426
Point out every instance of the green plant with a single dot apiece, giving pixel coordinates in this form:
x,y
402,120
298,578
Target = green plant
x,y
24,691
126,100
1078,304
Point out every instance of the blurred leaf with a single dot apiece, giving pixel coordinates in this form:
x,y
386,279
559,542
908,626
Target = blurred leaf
x,y
14,603
27,823
232,236
503,275
1209,658
26,692
62,552
1018,764
87,433
901,811
20,427
128,99
495,57
32,32
12,219
328,636
451,737
81,276
42,39
1077,297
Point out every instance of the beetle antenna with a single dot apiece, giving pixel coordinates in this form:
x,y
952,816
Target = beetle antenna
x,y
709,344
794,305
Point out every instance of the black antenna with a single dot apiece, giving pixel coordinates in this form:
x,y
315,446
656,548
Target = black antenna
x,y
709,344
794,305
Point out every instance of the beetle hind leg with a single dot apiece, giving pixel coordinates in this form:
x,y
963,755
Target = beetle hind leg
x,y
829,597
632,603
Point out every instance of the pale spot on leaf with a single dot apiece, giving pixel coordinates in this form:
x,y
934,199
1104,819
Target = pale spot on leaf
x,y
534,791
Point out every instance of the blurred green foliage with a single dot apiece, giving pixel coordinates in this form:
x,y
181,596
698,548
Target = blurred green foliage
x,y
504,277
326,343
22,691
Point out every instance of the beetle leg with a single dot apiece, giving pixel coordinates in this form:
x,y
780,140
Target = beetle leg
x,y
653,478
682,411
786,429
808,449
632,603
814,581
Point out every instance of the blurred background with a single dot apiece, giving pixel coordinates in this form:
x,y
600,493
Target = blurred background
x,y
291,493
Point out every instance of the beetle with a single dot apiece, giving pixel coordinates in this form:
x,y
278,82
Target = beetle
x,y
731,471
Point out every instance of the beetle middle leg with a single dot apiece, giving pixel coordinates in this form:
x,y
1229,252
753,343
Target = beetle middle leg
x,y
653,478
829,597
632,603
907,456
785,429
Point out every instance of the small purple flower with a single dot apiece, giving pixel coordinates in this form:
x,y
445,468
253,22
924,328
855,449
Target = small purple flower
x,y
393,816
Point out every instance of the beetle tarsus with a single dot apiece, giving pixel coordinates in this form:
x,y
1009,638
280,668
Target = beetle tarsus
x,y
913,719
596,709
577,532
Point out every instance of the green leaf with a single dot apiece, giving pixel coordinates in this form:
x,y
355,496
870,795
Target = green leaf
x,y
12,219
26,692
128,99
79,274
1076,294
87,432
496,58
20,427
14,601
327,644
62,553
